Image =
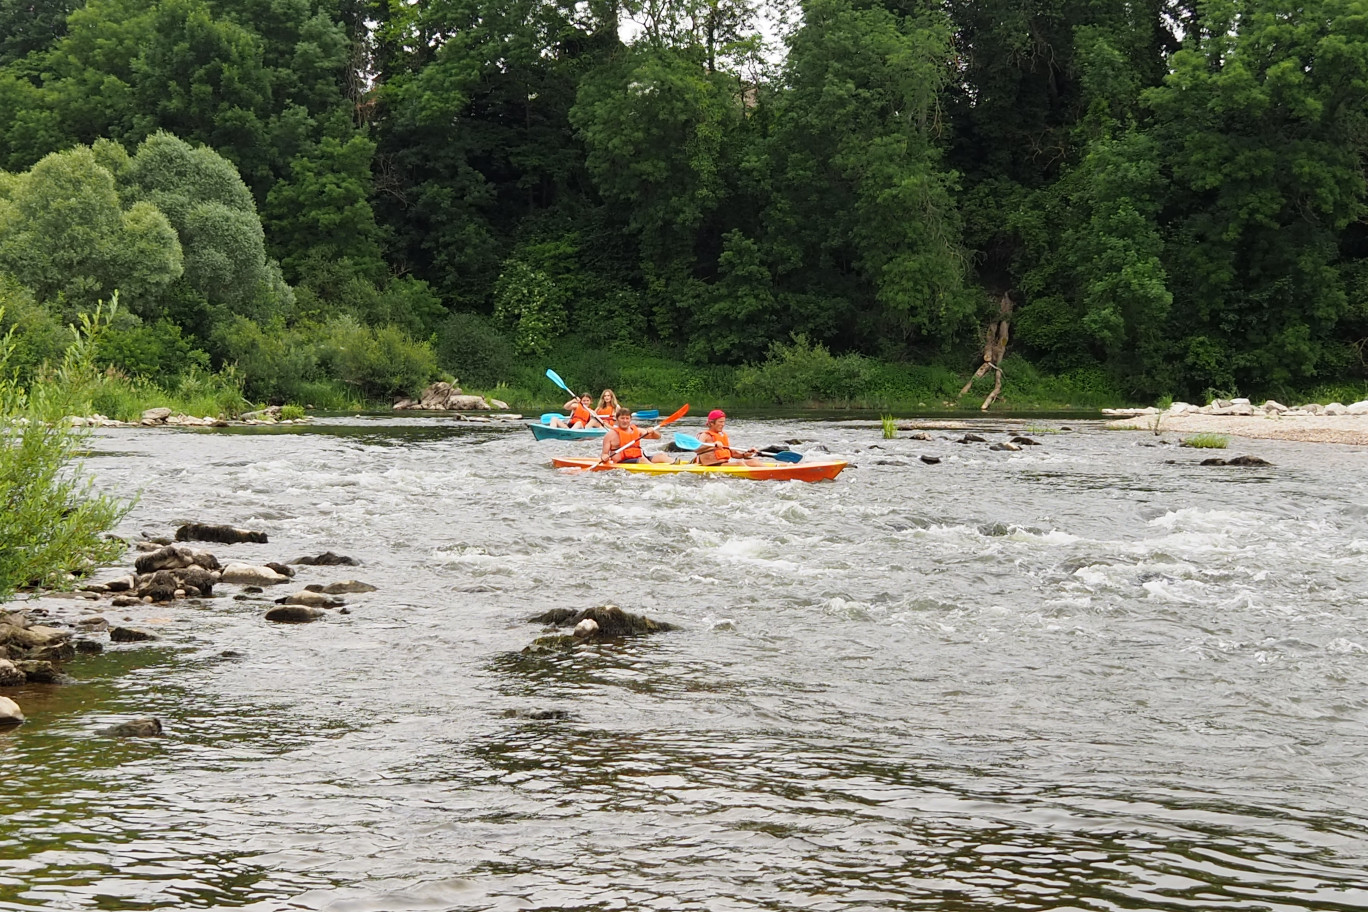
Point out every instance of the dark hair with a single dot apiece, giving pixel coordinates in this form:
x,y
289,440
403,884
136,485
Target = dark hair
x,y
622,410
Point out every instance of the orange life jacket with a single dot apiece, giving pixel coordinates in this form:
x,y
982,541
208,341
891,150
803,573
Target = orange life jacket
x,y
631,440
580,414
722,452
607,411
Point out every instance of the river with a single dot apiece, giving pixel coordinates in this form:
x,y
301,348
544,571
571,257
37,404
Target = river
x,y
1086,675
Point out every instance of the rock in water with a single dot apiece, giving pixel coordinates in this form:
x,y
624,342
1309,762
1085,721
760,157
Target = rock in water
x,y
227,535
134,728
294,614
10,713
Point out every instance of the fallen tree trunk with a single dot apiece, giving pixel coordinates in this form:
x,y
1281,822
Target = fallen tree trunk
x,y
994,350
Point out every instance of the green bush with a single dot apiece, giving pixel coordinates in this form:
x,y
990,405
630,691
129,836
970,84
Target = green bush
x,y
379,363
38,336
472,349
804,372
156,351
272,361
51,524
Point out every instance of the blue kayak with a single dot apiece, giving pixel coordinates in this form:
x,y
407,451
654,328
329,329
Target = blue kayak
x,y
546,432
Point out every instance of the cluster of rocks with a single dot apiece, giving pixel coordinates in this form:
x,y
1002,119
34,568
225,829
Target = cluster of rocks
x,y
1013,443
1243,408
164,417
164,572
443,397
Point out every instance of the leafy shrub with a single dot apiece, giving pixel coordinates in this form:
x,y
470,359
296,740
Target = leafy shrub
x,y
272,361
378,362
530,305
469,346
156,351
802,371
291,412
38,336
51,523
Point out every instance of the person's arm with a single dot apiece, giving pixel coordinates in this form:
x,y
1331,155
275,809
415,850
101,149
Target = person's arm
x,y
610,443
653,433
571,403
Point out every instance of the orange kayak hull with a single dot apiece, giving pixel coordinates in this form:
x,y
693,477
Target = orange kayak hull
x,y
770,471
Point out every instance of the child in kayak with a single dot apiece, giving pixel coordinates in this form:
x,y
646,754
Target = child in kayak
x,y
581,414
622,443
607,405
717,449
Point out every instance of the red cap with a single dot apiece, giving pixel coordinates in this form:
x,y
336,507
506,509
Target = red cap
x,y
715,414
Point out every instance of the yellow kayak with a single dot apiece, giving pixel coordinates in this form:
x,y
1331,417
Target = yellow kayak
x,y
770,471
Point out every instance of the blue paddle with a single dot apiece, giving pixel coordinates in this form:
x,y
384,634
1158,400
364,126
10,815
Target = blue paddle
x,y
555,378
646,414
689,442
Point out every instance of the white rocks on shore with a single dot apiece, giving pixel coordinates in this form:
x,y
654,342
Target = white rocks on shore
x,y
1243,408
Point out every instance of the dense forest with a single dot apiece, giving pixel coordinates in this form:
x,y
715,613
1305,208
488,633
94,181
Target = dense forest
x,y
323,194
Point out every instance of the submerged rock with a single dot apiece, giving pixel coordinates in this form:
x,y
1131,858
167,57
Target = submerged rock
x,y
294,614
248,575
327,559
134,728
341,587
1237,461
228,535
129,635
311,599
611,621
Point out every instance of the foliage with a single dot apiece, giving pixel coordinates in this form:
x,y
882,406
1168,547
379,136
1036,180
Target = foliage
x,y
804,372
530,306
378,362
66,234
51,521
292,412
890,427
1207,441
472,349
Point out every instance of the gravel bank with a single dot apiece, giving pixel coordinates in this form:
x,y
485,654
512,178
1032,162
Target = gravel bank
x,y
1345,429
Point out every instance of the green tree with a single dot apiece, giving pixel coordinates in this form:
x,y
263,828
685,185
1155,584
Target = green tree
x,y
1261,125
215,217
65,234
861,192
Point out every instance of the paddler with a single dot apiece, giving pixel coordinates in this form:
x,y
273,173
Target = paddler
x,y
717,449
581,414
622,443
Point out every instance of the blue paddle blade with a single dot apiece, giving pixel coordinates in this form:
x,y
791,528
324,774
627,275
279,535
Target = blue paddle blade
x,y
646,415
686,441
547,416
555,378
785,456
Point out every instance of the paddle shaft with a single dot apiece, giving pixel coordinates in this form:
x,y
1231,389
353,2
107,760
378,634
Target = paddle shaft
x,y
606,462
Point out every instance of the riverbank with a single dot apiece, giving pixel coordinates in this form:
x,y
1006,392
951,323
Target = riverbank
x,y
1332,423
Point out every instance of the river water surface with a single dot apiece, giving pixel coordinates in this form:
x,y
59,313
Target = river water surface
x,y
1086,675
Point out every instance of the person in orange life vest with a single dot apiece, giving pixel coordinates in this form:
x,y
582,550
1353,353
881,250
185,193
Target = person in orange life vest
x,y
581,414
721,452
622,443
607,405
